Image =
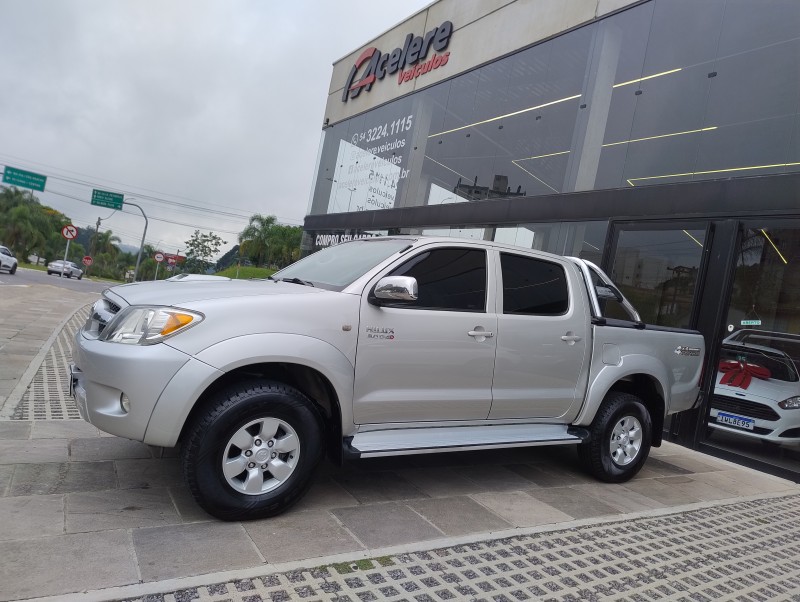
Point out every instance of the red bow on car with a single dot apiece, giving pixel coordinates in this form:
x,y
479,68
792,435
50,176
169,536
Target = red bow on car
x,y
740,374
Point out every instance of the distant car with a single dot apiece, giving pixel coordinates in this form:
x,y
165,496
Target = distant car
x,y
7,260
70,269
757,391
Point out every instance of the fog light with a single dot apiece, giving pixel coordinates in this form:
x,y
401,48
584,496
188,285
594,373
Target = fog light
x,y
125,403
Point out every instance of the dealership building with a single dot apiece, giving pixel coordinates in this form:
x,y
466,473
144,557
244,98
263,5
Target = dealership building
x,y
659,139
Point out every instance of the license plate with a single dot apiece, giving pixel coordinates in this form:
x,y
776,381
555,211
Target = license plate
x,y
733,420
71,382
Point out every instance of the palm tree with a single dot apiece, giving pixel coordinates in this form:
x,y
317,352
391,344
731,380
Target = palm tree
x,y
23,230
255,238
106,243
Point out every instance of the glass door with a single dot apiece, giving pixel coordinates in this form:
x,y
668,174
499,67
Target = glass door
x,y
754,409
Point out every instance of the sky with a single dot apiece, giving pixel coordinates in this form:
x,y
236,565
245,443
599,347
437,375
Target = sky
x,y
211,108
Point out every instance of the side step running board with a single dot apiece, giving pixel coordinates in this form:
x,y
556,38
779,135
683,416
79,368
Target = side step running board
x,y
398,442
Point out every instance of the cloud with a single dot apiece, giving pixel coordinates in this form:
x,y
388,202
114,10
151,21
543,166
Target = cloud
x,y
216,105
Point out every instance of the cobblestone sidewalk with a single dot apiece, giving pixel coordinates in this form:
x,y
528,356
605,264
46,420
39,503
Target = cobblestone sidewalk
x,y
47,397
746,551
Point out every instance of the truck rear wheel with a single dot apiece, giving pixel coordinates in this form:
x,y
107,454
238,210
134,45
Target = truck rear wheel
x,y
620,438
252,453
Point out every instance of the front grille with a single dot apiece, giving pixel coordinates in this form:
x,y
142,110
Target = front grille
x,y
743,407
103,311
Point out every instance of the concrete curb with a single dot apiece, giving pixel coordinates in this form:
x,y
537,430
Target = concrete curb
x,y
169,585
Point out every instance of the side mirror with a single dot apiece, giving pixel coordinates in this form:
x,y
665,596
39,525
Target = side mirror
x,y
394,288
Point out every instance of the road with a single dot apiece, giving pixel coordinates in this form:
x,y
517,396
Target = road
x,y
27,277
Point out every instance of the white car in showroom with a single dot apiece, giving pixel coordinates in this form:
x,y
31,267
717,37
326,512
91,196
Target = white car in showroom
x,y
69,269
757,391
7,260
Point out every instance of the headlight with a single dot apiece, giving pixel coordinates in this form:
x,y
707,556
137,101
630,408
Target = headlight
x,y
140,325
793,403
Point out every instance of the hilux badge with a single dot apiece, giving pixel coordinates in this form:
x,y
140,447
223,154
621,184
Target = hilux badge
x,y
379,332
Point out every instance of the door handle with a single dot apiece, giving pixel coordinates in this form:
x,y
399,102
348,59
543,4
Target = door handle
x,y
570,339
481,333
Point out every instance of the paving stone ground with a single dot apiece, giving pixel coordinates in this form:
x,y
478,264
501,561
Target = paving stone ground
x,y
745,551
47,397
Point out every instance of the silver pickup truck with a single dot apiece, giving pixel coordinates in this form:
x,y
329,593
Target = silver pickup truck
x,y
380,347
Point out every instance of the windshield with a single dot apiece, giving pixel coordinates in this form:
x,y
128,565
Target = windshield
x,y
336,267
777,364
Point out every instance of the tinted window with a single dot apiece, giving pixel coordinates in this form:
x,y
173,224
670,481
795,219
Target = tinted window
x,y
453,279
533,287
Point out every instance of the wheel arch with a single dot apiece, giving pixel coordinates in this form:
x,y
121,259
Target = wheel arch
x,y
309,381
314,367
649,390
637,375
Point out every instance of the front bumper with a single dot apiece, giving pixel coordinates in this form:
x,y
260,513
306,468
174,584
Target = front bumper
x,y
104,372
784,428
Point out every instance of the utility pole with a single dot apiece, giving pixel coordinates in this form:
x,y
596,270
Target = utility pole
x,y
94,244
141,246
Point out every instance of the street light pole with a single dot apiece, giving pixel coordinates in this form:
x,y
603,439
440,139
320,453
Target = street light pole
x,y
141,246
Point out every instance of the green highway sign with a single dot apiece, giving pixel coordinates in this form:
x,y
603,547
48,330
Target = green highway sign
x,y
112,200
24,179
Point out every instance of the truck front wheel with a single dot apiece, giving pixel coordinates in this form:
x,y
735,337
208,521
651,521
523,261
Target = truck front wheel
x,y
619,439
252,453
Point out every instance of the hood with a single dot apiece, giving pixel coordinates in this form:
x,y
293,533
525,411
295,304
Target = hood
x,y
760,390
187,290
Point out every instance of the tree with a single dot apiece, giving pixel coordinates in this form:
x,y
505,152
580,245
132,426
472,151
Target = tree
x,y
255,238
200,250
285,244
29,227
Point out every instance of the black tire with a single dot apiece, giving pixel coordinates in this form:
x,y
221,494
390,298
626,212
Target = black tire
x,y
596,454
209,440
13,269
81,276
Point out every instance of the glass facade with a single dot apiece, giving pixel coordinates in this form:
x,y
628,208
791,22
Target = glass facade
x,y
666,91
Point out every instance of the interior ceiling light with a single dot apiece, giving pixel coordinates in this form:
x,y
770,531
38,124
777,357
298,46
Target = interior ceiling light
x,y
448,168
764,232
661,136
686,232
520,112
701,173
542,156
514,161
641,79
534,177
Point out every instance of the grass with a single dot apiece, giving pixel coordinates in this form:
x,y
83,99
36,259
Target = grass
x,y
364,564
246,272
33,266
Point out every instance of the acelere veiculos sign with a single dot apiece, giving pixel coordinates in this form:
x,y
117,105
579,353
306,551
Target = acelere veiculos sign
x,y
409,62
